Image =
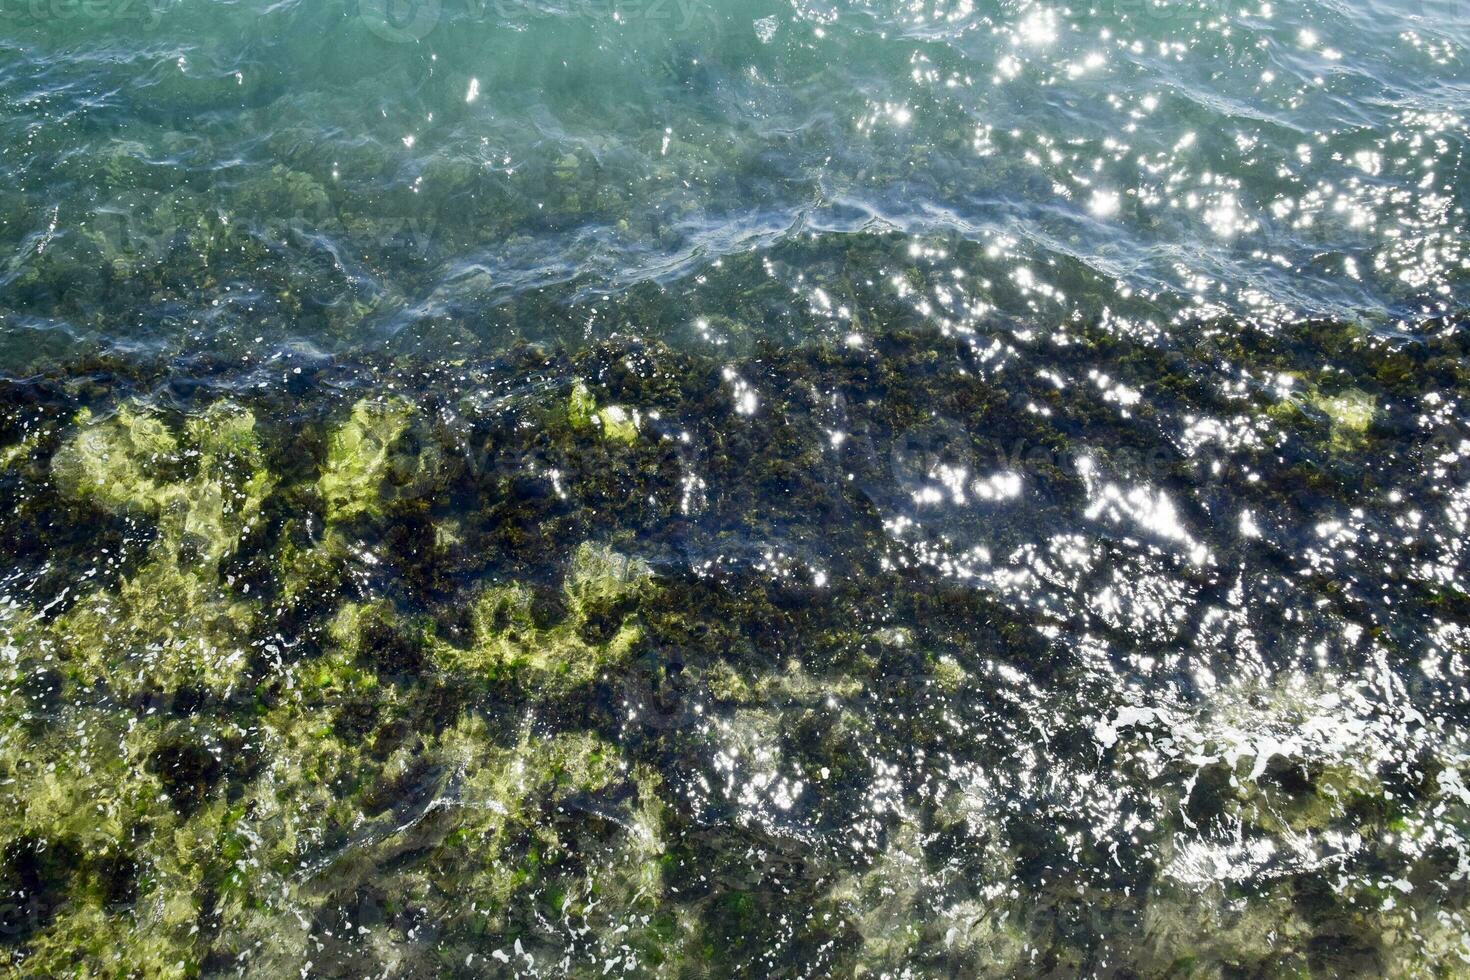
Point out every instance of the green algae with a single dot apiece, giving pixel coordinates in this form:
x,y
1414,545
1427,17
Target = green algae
x,y
15,454
174,620
986,935
617,423
329,711
581,406
1350,412
948,673
258,870
115,461
600,590
599,576
365,464
323,811
881,902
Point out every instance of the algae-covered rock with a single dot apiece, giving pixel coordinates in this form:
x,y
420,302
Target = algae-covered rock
x,y
365,462
618,424
615,422
948,673
455,822
600,575
165,626
173,621
259,723
581,405
120,461
601,591
1199,932
881,901
16,453
1350,413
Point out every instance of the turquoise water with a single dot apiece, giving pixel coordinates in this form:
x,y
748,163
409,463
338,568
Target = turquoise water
x,y
662,488
190,176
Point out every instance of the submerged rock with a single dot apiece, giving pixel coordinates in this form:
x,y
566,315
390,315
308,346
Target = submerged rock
x,y
393,686
365,462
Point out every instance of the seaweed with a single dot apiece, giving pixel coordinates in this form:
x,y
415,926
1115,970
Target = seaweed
x,y
474,675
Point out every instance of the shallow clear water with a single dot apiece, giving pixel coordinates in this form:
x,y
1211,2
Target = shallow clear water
x,y
661,488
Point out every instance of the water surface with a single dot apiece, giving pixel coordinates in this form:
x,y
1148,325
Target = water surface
x,y
671,488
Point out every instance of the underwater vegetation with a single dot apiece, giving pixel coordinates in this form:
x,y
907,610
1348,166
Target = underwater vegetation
x,y
553,664
734,489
